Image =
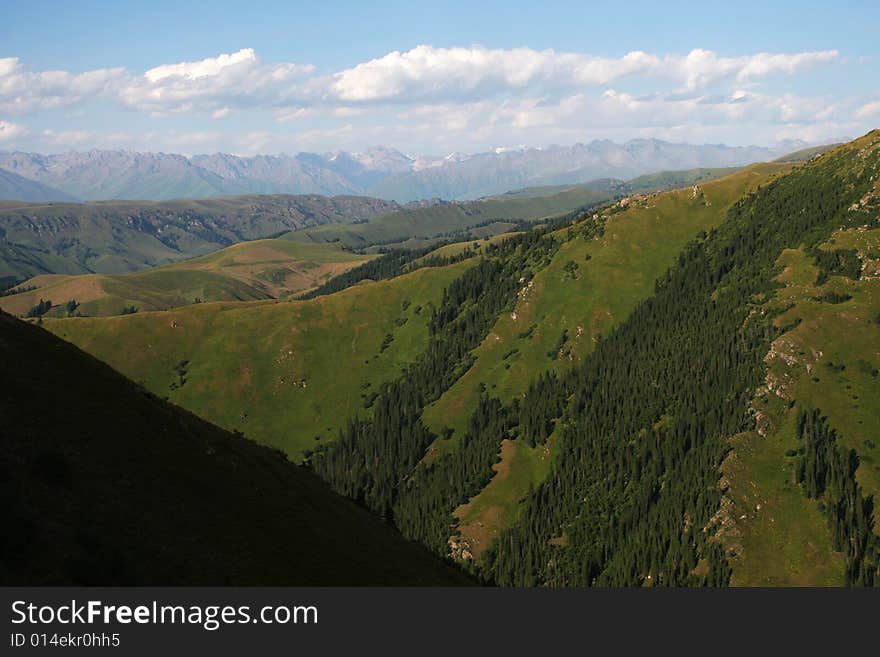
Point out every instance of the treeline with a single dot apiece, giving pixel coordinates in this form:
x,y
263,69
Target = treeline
x,y
10,285
395,262
827,473
373,456
389,265
40,309
845,262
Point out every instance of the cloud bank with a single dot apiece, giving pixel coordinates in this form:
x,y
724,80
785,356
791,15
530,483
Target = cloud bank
x,y
440,95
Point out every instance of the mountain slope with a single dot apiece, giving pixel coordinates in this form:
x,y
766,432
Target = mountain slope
x,y
379,171
486,174
653,407
248,271
633,395
86,450
97,175
286,388
120,236
638,431
13,186
412,226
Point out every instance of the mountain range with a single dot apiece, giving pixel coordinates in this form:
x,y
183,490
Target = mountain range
x,y
380,171
662,388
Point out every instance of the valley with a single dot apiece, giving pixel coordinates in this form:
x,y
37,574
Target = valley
x,y
248,271
603,384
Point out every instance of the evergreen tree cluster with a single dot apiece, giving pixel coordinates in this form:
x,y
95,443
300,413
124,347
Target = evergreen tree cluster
x,y
372,457
828,473
844,262
635,483
389,265
40,309
642,422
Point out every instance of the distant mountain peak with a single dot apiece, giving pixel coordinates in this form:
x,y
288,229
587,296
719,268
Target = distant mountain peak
x,y
378,170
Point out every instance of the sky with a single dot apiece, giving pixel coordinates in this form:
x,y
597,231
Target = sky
x,y
431,78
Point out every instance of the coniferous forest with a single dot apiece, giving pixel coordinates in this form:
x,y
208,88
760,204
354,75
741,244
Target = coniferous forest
x,y
630,499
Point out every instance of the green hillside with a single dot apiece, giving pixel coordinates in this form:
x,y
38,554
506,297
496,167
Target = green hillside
x,y
114,237
660,391
85,450
612,272
261,269
827,356
449,219
272,369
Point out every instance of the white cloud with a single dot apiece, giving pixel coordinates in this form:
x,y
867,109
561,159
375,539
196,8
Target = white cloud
x,y
66,139
287,114
11,130
868,110
461,98
239,79
211,66
426,72
23,92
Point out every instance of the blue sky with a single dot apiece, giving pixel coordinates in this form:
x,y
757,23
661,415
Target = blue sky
x,y
431,78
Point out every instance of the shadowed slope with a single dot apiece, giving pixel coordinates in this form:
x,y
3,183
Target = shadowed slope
x,y
103,483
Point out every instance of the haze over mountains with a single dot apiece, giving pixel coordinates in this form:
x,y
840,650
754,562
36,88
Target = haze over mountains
x,y
380,171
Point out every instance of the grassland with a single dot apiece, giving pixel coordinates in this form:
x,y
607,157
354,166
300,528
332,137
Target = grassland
x,y
287,374
262,269
520,469
286,388
828,359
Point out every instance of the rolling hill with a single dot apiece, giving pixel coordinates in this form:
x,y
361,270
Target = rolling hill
x,y
128,236
271,369
676,388
114,237
84,449
124,236
643,242
248,271
414,227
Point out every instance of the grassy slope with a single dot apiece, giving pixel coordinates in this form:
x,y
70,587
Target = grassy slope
x,y
256,386
284,373
787,540
806,153
667,180
639,244
262,269
438,220
103,483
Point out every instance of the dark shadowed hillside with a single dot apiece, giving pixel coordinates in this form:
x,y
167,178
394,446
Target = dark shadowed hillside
x,y
103,483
